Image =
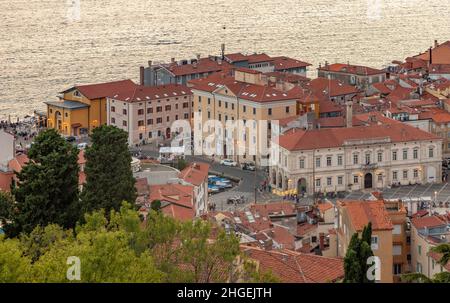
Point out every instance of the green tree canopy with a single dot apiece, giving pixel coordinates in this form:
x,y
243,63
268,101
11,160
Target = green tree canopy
x,y
109,178
47,189
358,252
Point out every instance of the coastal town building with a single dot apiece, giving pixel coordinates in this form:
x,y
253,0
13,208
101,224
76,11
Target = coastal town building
x,y
426,232
247,96
10,161
354,158
182,71
362,77
147,113
353,216
294,267
82,108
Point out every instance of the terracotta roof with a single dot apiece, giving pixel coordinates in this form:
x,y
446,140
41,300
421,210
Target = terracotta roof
x,y
326,106
103,90
288,77
181,195
294,267
6,179
236,57
323,207
440,54
247,91
257,58
140,93
18,162
196,173
204,65
336,137
361,213
330,87
400,93
274,209
351,69
282,63
439,68
178,212
382,88
305,228
427,221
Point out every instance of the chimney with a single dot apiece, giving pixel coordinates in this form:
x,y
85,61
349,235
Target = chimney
x,y
150,63
223,51
141,75
321,241
198,56
172,60
436,44
431,55
349,114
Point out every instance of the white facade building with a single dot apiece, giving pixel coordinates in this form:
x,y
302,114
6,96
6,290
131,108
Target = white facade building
x,y
347,159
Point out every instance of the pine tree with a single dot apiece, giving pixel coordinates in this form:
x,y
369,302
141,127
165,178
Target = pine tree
x,y
358,252
47,188
109,178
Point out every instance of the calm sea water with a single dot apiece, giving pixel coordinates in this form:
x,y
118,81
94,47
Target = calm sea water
x,y
44,49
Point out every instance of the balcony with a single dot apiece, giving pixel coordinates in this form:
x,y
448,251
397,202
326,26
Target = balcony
x,y
369,166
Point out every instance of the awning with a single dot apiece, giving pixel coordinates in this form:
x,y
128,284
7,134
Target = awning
x,y
75,125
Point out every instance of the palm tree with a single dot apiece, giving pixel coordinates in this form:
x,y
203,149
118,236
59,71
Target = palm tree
x,y
443,277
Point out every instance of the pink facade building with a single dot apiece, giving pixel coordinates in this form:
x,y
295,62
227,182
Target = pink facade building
x,y
147,113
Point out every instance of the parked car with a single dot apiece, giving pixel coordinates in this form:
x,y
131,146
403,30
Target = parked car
x,y
248,166
228,162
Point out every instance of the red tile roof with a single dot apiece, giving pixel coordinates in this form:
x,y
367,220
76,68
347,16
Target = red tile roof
x,y
352,69
382,88
294,267
427,221
140,93
440,54
204,65
196,173
336,137
18,163
361,213
329,87
274,209
288,77
182,195
258,58
179,212
282,63
236,57
103,90
323,207
6,179
304,228
247,91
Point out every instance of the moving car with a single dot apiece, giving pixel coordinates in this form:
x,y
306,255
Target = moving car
x,y
228,162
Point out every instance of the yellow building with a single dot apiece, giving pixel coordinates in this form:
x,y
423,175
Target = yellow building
x,y
247,96
83,107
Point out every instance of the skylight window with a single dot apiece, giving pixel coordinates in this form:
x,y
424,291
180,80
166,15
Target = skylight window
x,y
237,220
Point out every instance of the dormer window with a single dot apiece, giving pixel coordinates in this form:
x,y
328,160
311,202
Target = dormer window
x,y
76,93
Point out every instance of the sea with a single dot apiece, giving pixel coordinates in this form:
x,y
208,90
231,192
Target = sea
x,y
47,46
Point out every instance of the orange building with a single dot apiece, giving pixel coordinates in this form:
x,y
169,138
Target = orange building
x,y
82,108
